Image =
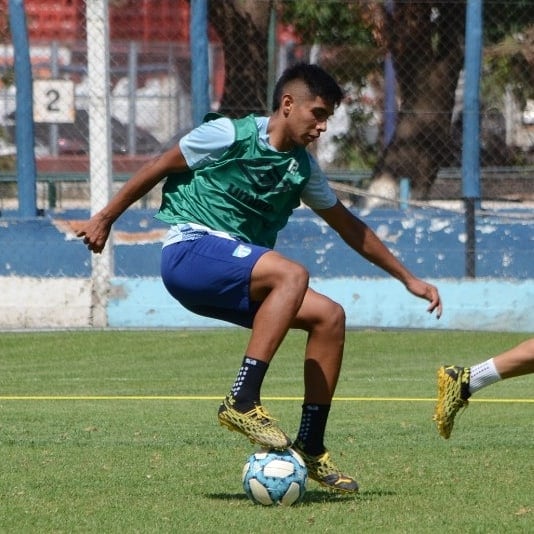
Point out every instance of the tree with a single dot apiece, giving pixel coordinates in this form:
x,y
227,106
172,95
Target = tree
x,y
425,41
243,28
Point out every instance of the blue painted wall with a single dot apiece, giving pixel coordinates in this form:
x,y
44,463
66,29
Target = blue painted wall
x,y
496,305
431,245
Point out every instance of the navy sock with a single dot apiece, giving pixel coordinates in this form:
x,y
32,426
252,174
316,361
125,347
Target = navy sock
x,y
312,428
247,385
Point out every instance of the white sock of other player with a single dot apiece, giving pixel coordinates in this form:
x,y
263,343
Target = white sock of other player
x,y
483,374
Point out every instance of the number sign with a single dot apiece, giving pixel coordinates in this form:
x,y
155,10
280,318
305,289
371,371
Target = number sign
x,y
53,101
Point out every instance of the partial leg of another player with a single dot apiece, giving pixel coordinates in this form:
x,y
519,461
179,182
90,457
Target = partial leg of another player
x,y
456,384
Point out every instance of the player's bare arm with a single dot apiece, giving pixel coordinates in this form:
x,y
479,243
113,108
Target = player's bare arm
x,y
363,240
95,231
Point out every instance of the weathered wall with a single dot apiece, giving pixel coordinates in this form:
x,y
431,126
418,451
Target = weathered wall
x,y
382,303
45,270
27,302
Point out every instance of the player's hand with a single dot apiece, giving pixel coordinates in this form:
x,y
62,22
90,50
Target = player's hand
x,y
95,232
426,291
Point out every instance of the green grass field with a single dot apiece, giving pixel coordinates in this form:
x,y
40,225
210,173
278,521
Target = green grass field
x,y
116,431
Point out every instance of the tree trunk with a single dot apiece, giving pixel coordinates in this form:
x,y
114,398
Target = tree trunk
x,y
243,28
428,57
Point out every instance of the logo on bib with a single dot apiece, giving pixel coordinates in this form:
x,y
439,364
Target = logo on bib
x,y
242,251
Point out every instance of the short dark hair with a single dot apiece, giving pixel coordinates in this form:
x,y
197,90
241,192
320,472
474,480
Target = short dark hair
x,y
318,81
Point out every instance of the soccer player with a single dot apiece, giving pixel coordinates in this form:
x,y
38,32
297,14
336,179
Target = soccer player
x,y
231,185
456,384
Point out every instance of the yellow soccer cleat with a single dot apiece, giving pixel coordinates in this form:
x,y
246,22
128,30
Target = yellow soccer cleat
x,y
322,470
257,425
453,392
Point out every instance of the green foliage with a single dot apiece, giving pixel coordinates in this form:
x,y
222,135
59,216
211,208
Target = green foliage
x,y
502,19
508,51
506,67
127,440
329,23
352,52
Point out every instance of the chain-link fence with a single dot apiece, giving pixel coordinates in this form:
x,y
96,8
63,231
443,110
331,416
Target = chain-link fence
x,y
401,64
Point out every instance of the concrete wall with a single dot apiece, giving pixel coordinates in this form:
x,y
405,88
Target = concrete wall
x,y
28,302
381,302
484,304
45,271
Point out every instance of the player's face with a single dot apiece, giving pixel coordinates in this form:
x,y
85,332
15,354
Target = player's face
x,y
307,118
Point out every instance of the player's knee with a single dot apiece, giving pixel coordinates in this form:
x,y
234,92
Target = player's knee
x,y
297,278
331,319
336,319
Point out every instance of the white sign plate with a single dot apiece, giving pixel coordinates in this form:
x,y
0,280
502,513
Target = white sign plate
x,y
53,101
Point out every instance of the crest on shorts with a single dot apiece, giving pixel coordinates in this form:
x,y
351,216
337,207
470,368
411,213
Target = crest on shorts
x,y
241,251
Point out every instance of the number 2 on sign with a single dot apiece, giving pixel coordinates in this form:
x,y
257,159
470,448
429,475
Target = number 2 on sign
x,y
53,101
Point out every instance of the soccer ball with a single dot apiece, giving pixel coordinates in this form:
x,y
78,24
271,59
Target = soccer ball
x,y
275,477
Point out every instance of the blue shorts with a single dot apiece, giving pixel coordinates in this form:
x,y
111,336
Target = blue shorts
x,y
210,276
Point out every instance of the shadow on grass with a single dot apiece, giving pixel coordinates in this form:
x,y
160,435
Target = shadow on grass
x,y
312,496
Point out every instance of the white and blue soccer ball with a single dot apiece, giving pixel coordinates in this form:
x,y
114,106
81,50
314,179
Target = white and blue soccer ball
x,y
275,477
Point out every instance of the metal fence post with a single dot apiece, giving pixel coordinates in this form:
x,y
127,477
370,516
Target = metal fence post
x,y
100,143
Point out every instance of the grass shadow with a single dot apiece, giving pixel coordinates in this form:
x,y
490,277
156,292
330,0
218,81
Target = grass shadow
x,y
313,496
